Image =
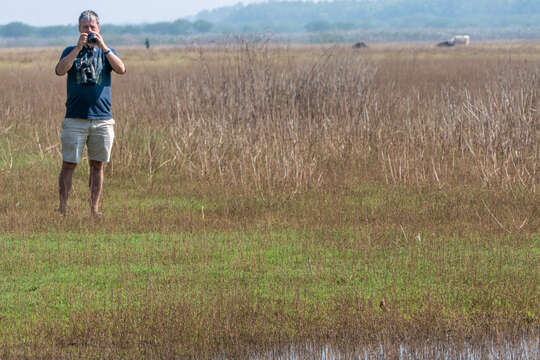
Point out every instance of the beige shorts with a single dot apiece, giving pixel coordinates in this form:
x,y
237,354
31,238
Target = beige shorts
x,y
97,135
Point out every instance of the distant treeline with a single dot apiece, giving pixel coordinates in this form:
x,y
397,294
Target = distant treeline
x,y
298,16
285,17
178,27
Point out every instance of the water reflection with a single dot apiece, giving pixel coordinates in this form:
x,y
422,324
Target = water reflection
x,y
527,348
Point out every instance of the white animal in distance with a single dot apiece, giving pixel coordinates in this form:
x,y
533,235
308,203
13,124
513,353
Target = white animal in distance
x,y
461,40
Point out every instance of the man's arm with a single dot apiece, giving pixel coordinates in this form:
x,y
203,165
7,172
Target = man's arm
x,y
66,62
116,63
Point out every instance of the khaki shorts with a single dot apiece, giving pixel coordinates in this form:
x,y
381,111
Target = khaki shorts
x,y
98,135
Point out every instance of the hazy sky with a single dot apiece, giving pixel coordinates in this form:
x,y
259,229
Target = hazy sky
x,y
63,12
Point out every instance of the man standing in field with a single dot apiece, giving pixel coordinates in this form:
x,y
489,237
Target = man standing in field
x,y
88,119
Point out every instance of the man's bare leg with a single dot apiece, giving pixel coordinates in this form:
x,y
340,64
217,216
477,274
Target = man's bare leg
x,y
95,182
64,184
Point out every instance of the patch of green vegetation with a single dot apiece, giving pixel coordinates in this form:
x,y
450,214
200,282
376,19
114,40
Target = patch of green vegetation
x,y
22,160
62,273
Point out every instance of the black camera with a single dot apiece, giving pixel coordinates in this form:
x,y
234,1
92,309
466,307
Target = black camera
x,y
86,67
92,39
88,74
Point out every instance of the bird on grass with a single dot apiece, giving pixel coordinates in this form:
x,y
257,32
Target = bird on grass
x,y
383,307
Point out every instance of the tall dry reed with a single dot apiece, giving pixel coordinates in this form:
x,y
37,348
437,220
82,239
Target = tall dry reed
x,y
268,118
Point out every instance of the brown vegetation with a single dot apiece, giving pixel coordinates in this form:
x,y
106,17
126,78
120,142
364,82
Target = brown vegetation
x,y
267,118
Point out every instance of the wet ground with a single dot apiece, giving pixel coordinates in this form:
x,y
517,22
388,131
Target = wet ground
x,y
527,348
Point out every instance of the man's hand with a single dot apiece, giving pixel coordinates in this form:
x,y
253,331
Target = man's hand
x,y
66,63
83,40
116,63
100,42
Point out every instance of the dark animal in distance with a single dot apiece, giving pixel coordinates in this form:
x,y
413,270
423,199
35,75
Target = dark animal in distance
x,y
360,45
446,43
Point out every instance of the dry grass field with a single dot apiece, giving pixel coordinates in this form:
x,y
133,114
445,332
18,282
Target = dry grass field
x,y
263,196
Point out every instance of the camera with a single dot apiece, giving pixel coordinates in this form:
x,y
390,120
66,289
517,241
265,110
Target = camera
x,y
92,39
88,74
86,68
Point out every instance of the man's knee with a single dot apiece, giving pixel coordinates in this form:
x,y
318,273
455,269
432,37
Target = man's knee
x,y
68,166
96,165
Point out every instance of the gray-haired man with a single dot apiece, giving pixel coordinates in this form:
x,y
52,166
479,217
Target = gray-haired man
x,y
88,118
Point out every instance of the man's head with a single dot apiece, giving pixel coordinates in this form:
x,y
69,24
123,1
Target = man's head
x,y
89,22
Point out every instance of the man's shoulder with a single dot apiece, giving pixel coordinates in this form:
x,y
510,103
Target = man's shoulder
x,y
69,48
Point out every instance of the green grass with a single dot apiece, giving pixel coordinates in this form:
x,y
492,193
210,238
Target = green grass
x,y
53,276
217,264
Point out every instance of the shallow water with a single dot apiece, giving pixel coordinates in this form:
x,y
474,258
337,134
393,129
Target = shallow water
x,y
527,348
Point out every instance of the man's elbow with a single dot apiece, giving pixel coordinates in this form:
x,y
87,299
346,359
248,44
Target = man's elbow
x,y
58,72
120,71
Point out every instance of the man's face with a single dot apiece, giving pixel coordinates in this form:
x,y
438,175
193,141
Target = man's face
x,y
87,26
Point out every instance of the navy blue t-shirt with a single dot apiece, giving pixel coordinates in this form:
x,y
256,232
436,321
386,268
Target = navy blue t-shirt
x,y
89,85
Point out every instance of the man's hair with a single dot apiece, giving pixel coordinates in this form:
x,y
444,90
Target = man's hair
x,y
90,15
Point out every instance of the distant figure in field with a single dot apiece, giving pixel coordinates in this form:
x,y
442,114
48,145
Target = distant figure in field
x,y
360,45
147,43
88,119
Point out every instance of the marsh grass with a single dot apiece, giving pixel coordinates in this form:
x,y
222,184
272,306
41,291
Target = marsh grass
x,y
264,196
